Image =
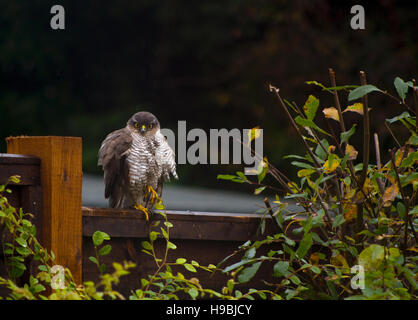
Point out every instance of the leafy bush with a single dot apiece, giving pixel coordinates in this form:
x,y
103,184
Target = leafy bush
x,y
354,219
20,245
353,215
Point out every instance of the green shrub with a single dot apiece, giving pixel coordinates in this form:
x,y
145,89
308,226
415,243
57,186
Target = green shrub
x,y
350,212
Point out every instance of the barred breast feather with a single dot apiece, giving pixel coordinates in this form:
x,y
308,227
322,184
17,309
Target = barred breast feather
x,y
132,162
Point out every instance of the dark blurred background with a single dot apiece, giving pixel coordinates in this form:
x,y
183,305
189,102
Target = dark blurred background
x,y
206,62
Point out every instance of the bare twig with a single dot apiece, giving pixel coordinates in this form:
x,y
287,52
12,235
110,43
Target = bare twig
x,y
404,198
366,135
379,164
295,126
270,211
336,99
393,136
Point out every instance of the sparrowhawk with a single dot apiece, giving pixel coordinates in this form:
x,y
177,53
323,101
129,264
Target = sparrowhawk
x,y
134,159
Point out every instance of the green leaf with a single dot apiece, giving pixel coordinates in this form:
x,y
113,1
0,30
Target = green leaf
x,y
361,91
144,282
226,177
38,288
371,257
413,140
250,253
263,169
105,250
401,87
241,175
259,190
180,260
165,234
295,280
301,165
146,245
338,220
281,269
23,251
310,107
316,269
98,238
402,116
43,267
236,265
410,160
168,224
102,268
347,134
309,123
190,267
21,242
304,245
248,273
171,245
320,152
193,293
410,178
230,285
153,235
93,259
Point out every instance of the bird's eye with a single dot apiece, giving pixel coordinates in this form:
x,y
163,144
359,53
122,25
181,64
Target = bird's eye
x,y
150,126
136,125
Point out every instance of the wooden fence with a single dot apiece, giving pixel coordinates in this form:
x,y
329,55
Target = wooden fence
x,y
51,173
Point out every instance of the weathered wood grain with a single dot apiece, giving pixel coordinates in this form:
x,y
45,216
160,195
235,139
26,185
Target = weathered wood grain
x,y
61,180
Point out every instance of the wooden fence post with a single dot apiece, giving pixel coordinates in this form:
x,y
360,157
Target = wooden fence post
x,y
61,180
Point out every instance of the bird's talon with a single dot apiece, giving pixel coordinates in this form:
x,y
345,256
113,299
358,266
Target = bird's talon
x,y
144,210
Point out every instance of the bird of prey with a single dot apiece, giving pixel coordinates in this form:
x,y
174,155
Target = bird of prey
x,y
135,160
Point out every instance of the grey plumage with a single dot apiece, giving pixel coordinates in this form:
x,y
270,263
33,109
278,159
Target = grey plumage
x,y
134,158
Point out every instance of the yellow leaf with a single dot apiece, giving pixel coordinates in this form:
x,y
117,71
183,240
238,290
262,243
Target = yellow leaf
x,y
340,261
253,133
328,168
350,212
314,258
331,148
399,157
357,107
305,172
351,151
292,187
390,194
331,113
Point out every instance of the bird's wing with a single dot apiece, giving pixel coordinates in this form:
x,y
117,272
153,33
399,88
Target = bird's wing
x,y
167,156
113,158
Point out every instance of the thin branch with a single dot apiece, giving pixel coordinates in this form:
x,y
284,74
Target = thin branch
x,y
270,211
295,126
404,198
336,99
366,136
391,133
379,164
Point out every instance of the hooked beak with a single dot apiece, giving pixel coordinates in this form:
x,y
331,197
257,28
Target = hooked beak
x,y
143,129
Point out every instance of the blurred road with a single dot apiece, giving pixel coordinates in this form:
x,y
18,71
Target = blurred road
x,y
182,198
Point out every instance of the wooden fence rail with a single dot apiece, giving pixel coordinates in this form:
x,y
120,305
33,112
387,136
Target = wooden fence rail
x,y
51,172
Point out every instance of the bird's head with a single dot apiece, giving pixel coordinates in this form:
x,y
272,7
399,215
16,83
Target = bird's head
x,y
144,122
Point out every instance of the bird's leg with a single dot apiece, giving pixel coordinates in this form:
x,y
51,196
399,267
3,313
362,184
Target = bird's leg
x,y
152,196
143,209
